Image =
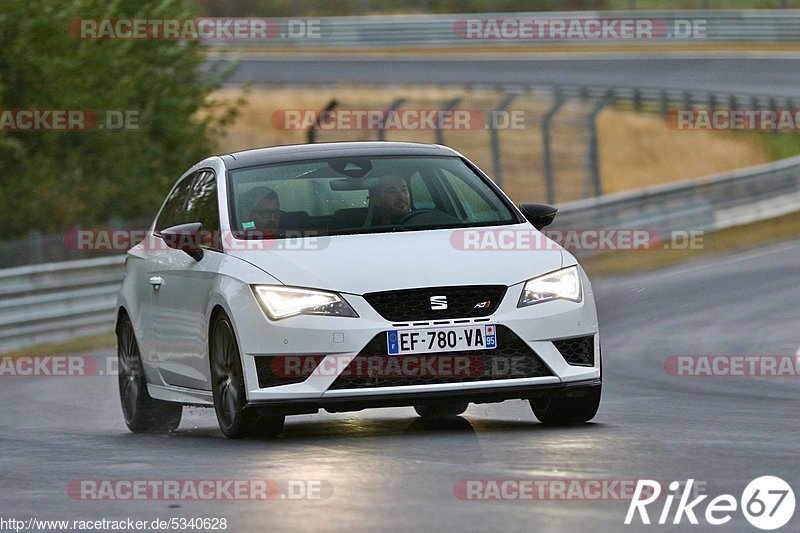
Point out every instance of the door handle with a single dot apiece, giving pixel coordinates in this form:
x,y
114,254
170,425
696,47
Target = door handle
x,y
156,282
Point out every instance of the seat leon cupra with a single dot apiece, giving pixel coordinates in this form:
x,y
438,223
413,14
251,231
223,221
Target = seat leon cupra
x,y
345,276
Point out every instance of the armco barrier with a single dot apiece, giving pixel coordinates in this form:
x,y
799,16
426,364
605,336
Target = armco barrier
x,y
754,26
58,301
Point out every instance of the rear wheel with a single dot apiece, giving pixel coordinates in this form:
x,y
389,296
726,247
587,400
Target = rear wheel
x,y
236,420
441,410
564,411
143,414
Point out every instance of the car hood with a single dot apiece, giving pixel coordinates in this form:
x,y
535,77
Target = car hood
x,y
359,264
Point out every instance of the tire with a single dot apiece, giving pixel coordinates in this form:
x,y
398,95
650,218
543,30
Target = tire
x,y
566,411
143,414
235,419
441,410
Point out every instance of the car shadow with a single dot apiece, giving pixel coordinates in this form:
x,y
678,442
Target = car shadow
x,y
302,429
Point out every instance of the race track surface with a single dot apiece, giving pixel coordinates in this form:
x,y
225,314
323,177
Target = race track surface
x,y
389,471
742,73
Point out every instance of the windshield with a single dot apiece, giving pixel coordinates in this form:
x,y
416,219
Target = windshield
x,y
361,195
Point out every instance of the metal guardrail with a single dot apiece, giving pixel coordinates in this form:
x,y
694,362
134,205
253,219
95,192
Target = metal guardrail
x,y
711,203
766,26
58,301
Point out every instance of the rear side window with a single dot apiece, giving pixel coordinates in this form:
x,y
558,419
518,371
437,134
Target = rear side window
x,y
172,212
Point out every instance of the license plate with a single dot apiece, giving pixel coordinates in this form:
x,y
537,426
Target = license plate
x,y
409,341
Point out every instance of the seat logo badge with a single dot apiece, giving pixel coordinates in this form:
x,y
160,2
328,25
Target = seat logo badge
x,y
483,305
438,303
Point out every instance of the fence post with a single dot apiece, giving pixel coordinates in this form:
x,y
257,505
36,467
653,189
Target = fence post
x,y
449,106
498,167
549,179
35,247
663,103
312,130
393,107
593,162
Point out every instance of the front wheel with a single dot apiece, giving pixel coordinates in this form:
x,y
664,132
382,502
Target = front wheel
x,y
143,414
235,419
565,411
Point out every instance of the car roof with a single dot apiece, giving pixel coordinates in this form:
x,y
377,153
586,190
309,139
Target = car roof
x,y
300,152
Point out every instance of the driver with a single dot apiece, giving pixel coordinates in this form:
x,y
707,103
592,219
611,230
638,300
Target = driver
x,y
392,199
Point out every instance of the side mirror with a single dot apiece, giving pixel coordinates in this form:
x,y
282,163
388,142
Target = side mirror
x,y
540,215
185,237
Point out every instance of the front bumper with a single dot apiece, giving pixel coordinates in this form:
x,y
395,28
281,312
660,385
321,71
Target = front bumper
x,y
489,394
342,339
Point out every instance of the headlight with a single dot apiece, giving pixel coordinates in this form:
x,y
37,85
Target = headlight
x,y
564,284
283,302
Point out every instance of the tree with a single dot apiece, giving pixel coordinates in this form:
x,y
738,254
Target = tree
x,y
51,180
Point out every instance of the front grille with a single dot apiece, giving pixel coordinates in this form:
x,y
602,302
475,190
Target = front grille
x,y
415,304
373,367
578,351
285,369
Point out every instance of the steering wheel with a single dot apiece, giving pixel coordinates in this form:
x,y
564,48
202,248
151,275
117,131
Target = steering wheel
x,y
416,213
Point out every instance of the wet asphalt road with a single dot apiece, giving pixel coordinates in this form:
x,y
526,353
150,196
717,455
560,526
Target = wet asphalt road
x,y
388,471
776,74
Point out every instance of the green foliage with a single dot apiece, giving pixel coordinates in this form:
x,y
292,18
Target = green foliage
x,y
780,144
55,179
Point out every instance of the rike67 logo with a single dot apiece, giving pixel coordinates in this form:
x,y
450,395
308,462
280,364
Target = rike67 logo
x,y
767,503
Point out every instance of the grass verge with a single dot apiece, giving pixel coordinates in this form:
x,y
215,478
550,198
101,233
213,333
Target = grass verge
x,y
73,346
732,239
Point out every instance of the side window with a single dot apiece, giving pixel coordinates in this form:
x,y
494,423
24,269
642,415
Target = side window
x,y
171,214
420,193
202,207
202,204
475,206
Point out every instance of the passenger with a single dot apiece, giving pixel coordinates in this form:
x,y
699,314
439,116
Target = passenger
x,y
262,211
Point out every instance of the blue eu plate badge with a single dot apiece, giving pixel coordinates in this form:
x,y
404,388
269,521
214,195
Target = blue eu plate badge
x,y
394,345
490,338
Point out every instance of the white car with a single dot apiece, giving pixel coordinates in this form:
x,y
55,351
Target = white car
x,y
343,276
